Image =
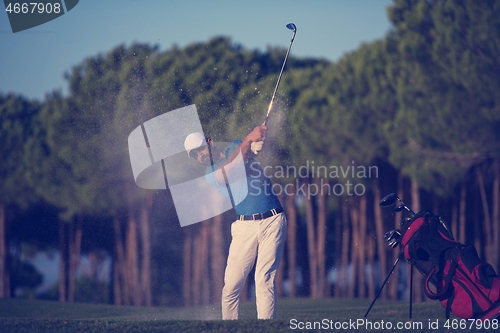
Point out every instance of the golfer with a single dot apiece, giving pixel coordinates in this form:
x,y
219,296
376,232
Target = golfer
x,y
259,232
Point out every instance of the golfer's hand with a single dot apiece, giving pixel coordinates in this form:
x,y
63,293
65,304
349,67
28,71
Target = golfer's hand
x,y
258,134
257,137
256,147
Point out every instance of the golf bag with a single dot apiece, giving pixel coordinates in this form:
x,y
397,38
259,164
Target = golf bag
x,y
454,274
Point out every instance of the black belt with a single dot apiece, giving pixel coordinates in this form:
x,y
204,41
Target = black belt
x,y
261,216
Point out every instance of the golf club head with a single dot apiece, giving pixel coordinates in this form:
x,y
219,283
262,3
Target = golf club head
x,y
392,238
292,27
405,221
400,208
388,200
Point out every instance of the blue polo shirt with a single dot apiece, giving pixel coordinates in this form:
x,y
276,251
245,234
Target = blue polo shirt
x,y
260,197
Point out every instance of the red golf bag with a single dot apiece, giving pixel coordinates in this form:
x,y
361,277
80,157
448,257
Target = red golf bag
x,y
454,274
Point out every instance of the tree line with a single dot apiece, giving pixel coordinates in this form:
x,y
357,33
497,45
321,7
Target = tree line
x,y
419,108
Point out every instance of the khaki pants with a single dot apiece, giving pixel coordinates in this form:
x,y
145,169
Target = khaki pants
x,y
261,239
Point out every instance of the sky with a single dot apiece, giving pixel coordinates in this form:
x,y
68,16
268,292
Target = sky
x,y
33,61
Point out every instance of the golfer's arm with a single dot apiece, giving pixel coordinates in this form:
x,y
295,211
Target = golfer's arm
x,y
227,166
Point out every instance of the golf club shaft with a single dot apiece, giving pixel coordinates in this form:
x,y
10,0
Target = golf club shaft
x,y
407,208
279,79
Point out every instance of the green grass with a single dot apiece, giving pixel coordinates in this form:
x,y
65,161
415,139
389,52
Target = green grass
x,y
17,315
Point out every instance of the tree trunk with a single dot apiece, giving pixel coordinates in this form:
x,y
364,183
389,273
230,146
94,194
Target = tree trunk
x,y
415,196
291,240
338,251
462,218
394,281
132,251
418,295
206,278
4,254
75,241
454,218
188,262
321,239
71,264
78,242
199,263
217,260
487,218
362,248
346,240
371,265
380,230
478,230
244,292
119,273
311,246
133,262
63,261
496,217
354,250
146,252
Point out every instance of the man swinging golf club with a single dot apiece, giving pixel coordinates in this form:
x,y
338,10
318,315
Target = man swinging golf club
x,y
258,235
259,232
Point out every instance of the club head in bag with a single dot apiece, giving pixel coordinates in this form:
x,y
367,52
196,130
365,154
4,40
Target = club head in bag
x,y
392,238
400,208
388,200
405,221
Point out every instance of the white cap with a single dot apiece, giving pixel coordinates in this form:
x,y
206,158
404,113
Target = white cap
x,y
193,141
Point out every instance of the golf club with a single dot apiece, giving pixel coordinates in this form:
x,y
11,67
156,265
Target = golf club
x,y
405,221
390,199
292,27
392,238
400,208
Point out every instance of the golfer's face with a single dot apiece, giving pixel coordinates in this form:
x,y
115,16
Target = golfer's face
x,y
202,155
